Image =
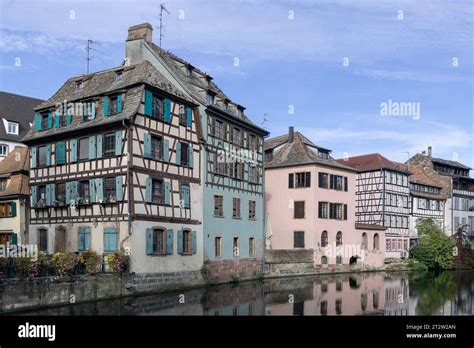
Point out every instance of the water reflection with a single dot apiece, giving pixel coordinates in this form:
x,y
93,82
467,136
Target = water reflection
x,y
446,293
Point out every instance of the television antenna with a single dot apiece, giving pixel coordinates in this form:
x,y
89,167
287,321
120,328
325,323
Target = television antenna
x,y
162,8
88,49
265,119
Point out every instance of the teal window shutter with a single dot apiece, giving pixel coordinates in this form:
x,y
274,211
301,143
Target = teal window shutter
x,y
169,242
119,103
148,103
166,150
185,195
180,242
147,145
189,117
14,239
190,156
149,241
106,106
92,190
118,143
34,195
92,114
34,157
13,208
38,123
100,146
167,110
49,149
119,188
57,120
99,189
53,192
74,190
149,190
167,192
110,239
194,241
73,150
92,147
60,153
68,192
178,153
87,238
68,118
48,195
50,120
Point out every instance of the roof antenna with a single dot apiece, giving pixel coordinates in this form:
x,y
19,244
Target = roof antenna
x,y
265,119
88,48
408,153
162,8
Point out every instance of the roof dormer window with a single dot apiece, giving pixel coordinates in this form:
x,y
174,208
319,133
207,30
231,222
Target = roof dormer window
x,y
210,98
79,85
12,128
119,75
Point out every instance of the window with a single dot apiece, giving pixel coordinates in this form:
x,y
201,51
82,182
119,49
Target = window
x,y
291,181
210,98
339,260
218,246
339,306
252,210
323,180
113,105
109,145
83,149
156,147
236,136
338,286
338,211
268,155
110,239
388,245
43,239
12,128
41,195
236,208
303,180
187,242
158,196
157,107
323,210
298,239
299,210
364,241
251,246
84,238
110,189
61,193
184,154
42,156
79,85
253,142
84,191
183,117
119,76
324,261
3,150
236,246
253,177
6,209
218,129
376,241
323,155
336,182
45,121
324,307
3,185
219,206
324,239
339,238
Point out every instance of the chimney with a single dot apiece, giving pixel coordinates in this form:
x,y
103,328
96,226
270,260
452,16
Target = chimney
x,y
291,134
429,151
140,31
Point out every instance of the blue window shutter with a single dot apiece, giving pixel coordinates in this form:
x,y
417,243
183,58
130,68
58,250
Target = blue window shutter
x,y
180,241
100,146
92,114
68,192
106,106
48,195
53,192
148,103
119,188
92,190
73,150
57,120
99,189
49,149
194,239
50,120
34,157
147,145
166,150
119,103
74,190
13,208
149,190
14,239
189,117
118,143
169,242
191,156
167,192
178,153
92,149
188,197
38,126
87,238
149,241
60,153
167,110
81,238
185,195
34,195
68,118
110,239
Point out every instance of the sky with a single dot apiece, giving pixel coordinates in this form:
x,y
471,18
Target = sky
x,y
330,68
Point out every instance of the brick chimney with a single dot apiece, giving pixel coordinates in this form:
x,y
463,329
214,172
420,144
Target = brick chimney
x,y
429,151
291,134
140,31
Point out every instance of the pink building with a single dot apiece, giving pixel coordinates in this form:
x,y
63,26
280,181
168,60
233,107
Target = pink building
x,y
310,204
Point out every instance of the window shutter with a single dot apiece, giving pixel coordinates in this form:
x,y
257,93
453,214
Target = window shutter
x,y
118,143
34,195
167,192
194,239
106,106
68,192
73,150
308,179
92,115
50,120
60,153
119,103
345,211
290,180
74,190
33,157
189,117
119,188
57,120
92,190
99,189
49,149
48,195
169,242
166,150
180,241
147,145
178,153
149,241
190,156
13,208
87,238
320,208
68,118
148,103
92,150
345,183
100,146
14,239
167,110
149,190
332,182
38,120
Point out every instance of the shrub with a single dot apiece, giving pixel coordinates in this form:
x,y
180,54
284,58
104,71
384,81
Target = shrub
x,y
65,263
23,267
117,261
90,260
416,266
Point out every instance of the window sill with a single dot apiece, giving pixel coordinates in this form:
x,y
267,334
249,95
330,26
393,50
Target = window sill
x,y
187,254
236,217
219,216
252,219
158,255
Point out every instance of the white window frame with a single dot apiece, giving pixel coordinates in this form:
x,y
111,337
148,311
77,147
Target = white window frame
x,y
16,127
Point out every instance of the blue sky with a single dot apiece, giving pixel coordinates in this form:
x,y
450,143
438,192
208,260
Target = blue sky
x,y
291,55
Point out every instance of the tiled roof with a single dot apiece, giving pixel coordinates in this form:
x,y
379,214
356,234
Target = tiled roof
x,y
427,195
450,163
374,161
419,176
282,139
14,168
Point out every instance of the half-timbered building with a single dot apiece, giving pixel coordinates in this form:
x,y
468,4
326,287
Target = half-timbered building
x,y
115,165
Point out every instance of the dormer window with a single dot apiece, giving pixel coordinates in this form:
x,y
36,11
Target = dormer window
x,y
12,128
79,85
226,105
189,71
323,155
210,98
119,75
